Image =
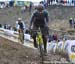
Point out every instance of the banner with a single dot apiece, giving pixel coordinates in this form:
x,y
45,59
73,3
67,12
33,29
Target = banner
x,y
70,48
21,3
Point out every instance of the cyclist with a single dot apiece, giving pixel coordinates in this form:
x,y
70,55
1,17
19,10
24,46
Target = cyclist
x,y
20,26
40,19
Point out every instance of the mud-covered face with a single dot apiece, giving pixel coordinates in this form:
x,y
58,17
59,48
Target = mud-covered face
x,y
40,9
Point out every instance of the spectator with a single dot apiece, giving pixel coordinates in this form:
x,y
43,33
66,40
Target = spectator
x,y
74,23
44,4
5,26
50,38
55,37
9,27
71,22
11,3
0,25
23,9
48,2
30,7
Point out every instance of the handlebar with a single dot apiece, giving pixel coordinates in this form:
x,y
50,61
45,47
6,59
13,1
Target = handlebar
x,y
35,30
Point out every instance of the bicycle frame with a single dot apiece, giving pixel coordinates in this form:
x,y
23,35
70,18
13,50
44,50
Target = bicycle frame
x,y
39,38
40,42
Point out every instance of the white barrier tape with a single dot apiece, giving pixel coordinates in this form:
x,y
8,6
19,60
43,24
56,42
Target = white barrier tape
x,y
13,36
52,46
9,38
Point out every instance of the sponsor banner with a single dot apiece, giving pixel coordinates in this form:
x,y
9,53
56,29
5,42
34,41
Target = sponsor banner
x,y
70,48
51,47
21,3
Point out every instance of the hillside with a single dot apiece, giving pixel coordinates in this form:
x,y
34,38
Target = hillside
x,y
58,15
14,53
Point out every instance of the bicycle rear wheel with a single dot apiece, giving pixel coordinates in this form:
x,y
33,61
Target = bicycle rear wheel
x,y
21,36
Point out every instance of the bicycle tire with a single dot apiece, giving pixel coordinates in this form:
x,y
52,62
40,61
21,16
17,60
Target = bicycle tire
x,y
41,53
22,41
21,37
40,42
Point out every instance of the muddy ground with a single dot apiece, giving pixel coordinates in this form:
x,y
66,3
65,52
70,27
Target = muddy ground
x,y
15,53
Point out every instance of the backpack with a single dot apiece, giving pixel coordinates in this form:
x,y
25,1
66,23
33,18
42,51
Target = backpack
x,y
20,25
39,19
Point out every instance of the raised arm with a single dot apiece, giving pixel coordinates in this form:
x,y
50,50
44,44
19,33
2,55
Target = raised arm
x,y
32,19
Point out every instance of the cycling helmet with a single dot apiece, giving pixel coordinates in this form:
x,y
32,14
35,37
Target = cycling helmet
x,y
40,7
19,18
71,18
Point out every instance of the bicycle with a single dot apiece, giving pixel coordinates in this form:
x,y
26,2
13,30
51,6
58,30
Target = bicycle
x,y
21,36
39,40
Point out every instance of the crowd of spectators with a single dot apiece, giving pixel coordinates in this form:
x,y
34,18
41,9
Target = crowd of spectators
x,y
6,4
61,2
7,26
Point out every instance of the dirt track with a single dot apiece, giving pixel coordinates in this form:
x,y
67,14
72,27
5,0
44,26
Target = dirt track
x,y
14,53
